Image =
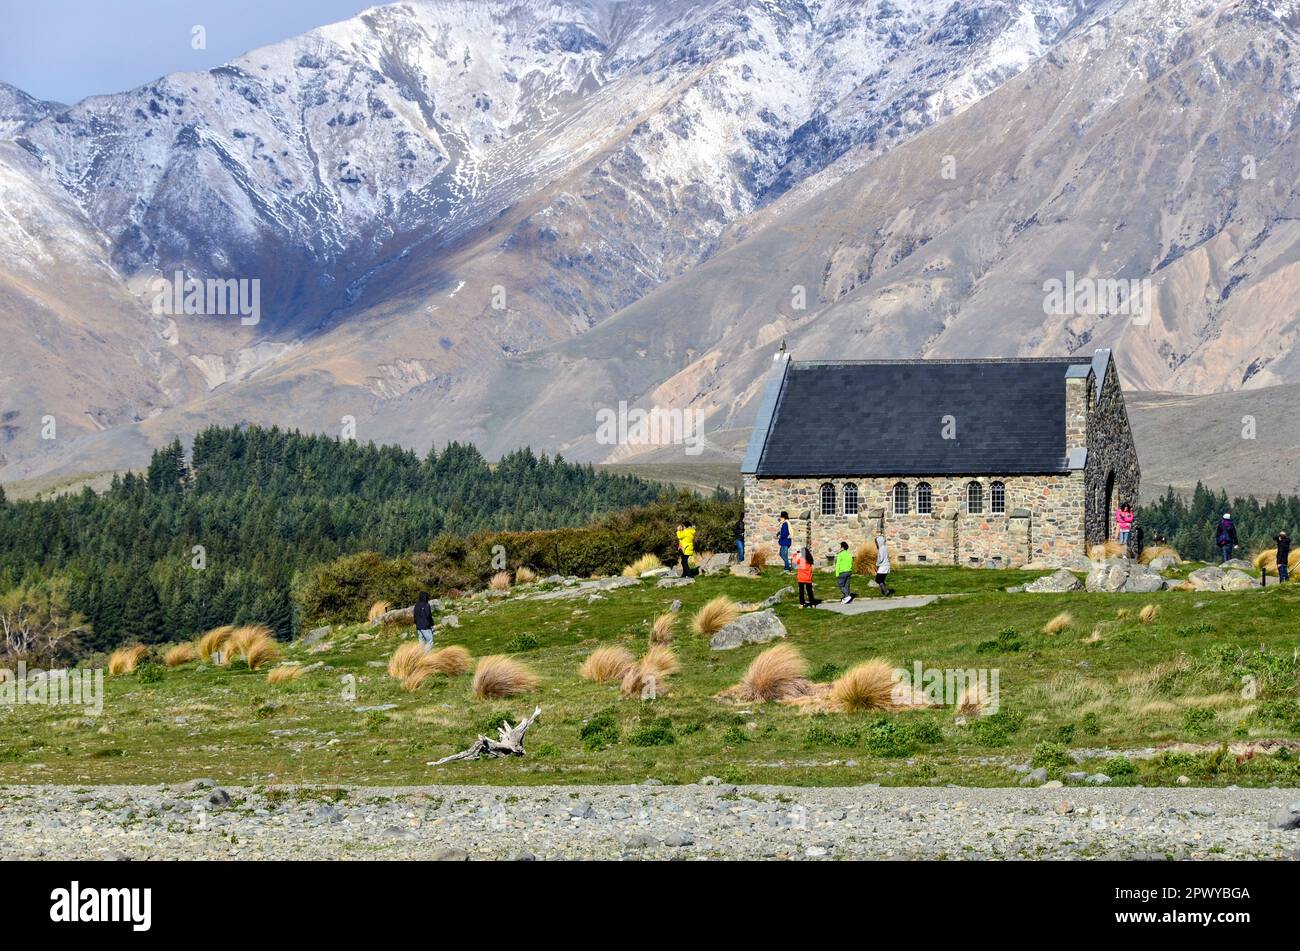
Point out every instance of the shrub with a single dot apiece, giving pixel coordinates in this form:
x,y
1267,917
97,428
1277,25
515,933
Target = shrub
x,y
1051,756
523,642
886,737
734,736
1198,721
260,651
823,734
1117,767
924,731
714,616
499,676
657,733
406,659
600,731
1007,642
606,664
1091,724
150,674
828,671
345,589
652,670
1065,733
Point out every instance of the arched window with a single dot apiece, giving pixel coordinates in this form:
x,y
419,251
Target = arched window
x,y
828,499
900,498
974,498
924,500
850,498
998,498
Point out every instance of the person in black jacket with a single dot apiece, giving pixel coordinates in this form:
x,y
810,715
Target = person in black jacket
x,y
738,533
423,611
1283,555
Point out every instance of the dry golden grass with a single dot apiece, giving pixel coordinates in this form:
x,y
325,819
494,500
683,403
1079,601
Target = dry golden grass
x,y
865,686
179,654
214,640
1122,614
1107,549
606,664
125,660
647,677
452,660
864,559
1152,552
500,581
1293,561
501,676
241,639
1059,623
260,651
378,610
714,616
283,674
972,700
1266,561
761,556
406,658
661,629
1183,586
1148,613
779,673
525,575
644,563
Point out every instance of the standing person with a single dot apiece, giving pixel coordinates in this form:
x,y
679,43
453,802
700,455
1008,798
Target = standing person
x,y
803,563
844,571
783,539
1124,523
423,612
686,545
1226,536
1283,555
738,533
882,566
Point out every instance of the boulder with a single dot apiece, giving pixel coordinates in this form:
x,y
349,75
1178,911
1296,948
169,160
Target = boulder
x,y
1142,580
315,635
744,571
1239,563
661,572
1208,578
756,628
1059,580
769,602
1108,576
717,564
1162,563
396,616
674,582
1238,581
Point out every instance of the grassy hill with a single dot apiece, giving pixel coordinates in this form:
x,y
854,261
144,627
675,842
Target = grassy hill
x,y
1131,688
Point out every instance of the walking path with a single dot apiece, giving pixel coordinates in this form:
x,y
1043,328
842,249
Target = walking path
x,y
866,604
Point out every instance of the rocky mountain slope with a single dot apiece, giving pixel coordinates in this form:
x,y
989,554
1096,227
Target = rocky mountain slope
x,y
492,220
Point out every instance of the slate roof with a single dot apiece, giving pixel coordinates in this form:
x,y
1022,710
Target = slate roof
x,y
885,417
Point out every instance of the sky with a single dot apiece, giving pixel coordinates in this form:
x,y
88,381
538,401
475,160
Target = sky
x,y
65,50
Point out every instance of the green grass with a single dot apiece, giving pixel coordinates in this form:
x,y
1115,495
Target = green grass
x,y
1178,680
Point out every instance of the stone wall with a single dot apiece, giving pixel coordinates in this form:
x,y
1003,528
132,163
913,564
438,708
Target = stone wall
x,y
1052,531
1110,450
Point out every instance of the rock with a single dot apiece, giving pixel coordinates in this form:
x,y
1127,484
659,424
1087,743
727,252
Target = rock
x,y
717,564
1288,818
1035,777
1240,564
660,572
1238,581
675,607
327,814
710,781
674,582
744,571
1076,777
1098,779
553,579
679,840
1063,807
1014,588
218,798
1142,580
1183,781
1208,578
376,708
640,841
396,616
757,628
315,635
450,855
192,785
1162,563
1107,576
768,602
523,857
583,810
1052,784
1059,580
449,620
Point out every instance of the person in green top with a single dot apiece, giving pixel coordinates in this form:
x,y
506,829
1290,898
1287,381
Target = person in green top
x,y
844,571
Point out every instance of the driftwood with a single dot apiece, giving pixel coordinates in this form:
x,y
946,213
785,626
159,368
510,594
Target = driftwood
x,y
511,742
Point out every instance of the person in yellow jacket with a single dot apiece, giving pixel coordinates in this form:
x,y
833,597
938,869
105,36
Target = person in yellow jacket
x,y
686,545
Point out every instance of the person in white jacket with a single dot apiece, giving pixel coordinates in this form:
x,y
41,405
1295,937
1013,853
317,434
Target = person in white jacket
x,y
882,566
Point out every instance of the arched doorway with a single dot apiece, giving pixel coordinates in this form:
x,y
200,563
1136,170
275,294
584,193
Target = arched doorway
x,y
1110,497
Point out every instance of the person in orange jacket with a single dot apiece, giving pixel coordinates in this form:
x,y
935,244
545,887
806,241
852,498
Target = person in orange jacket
x,y
803,563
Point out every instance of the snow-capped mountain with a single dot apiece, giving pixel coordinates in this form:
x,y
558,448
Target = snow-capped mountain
x,y
483,219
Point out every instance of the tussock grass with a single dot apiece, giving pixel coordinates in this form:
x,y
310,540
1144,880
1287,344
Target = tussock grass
x,y
972,701
501,676
1148,613
865,686
242,638
778,673
650,672
1152,552
761,556
661,629
714,616
525,575
606,664
415,667
214,640
864,559
1110,548
260,651
407,658
500,581
125,660
283,673
180,654
1059,623
452,660
647,562
1266,561
378,610
1293,561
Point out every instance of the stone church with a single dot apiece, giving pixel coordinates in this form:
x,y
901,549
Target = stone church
x,y
960,462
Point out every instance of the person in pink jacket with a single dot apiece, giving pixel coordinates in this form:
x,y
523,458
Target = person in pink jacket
x,y
1124,522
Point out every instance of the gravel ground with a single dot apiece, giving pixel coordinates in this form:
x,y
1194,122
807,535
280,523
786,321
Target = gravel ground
x,y
197,820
